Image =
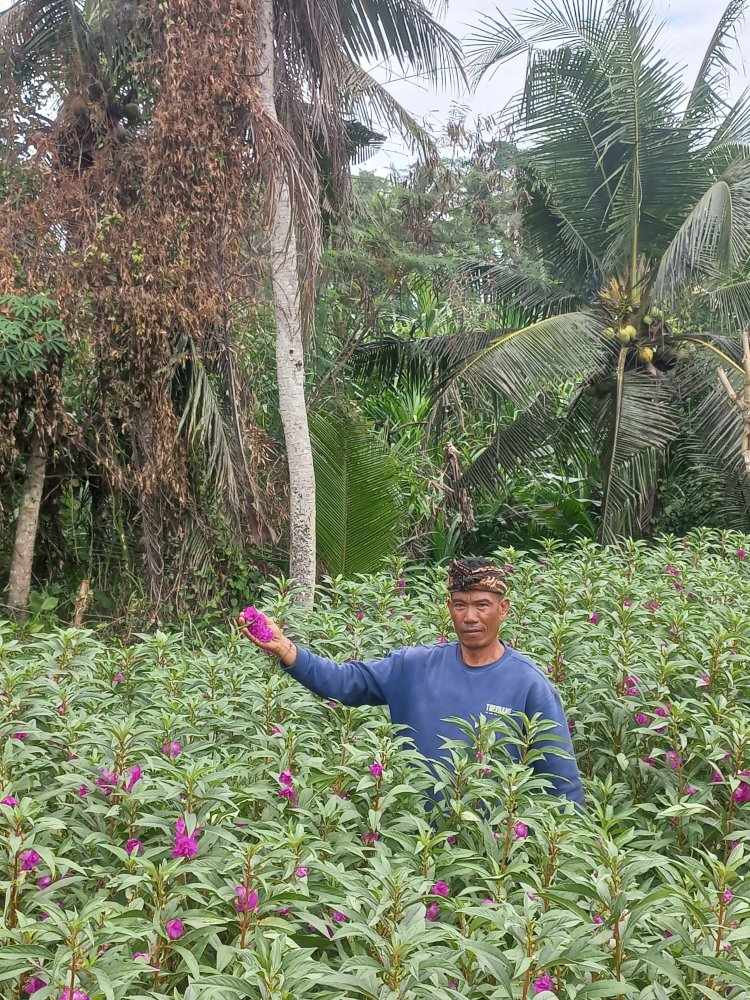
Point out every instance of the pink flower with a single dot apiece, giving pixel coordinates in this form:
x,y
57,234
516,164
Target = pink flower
x,y
432,913
376,769
286,778
598,919
134,776
727,895
275,731
332,703
288,793
440,889
672,571
141,954
173,749
283,911
247,899
663,713
543,983
175,928
717,779
107,782
408,618
641,719
741,553
594,619
627,603
631,686
33,985
672,759
184,846
75,995
45,882
442,639
652,605
649,761
520,831
19,736
118,679
741,794
703,680
452,839
83,791
370,837
488,901
134,846
9,800
302,871
690,790
338,916
29,860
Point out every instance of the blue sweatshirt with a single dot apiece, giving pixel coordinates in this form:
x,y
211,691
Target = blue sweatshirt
x,y
423,685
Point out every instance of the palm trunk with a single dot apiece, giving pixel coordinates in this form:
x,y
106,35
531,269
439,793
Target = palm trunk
x,y
742,403
19,583
290,368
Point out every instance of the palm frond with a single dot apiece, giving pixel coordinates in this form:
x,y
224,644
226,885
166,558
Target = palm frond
x,y
709,93
359,498
403,30
52,34
636,423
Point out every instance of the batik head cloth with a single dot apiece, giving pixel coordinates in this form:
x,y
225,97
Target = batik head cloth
x,y
477,574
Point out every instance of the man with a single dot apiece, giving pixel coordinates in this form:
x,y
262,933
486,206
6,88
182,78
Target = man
x,y
423,685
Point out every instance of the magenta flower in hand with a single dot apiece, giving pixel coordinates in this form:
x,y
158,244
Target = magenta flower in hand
x,y
257,625
440,889
134,846
175,928
544,983
376,769
173,749
29,860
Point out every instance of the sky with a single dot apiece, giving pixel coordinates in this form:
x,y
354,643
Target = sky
x,y
688,27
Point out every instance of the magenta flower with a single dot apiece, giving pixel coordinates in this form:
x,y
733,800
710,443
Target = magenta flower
x,y
649,761
83,791
75,995
134,776
727,895
672,571
45,882
703,680
370,837
141,954
302,871
598,919
21,737
283,911
34,985
440,889
631,686
376,769
442,639
29,860
275,731
627,603
288,793
360,615
173,749
544,983
118,679
641,719
488,901
339,917
594,619
663,713
672,759
717,779
247,899
134,846
175,928
286,778
690,790
184,846
741,553
107,782
741,794
520,831
9,800
432,913
652,605
332,703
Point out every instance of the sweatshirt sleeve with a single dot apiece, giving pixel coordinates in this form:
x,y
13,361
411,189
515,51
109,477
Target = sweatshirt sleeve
x,y
563,771
355,682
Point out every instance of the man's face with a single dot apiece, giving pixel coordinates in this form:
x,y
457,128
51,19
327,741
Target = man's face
x,y
477,616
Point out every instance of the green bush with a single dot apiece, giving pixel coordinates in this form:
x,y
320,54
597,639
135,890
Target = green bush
x,y
115,758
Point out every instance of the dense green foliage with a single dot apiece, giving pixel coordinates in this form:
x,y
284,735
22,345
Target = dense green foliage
x,y
497,893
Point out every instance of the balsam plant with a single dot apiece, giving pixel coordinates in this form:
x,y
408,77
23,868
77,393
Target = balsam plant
x,y
182,820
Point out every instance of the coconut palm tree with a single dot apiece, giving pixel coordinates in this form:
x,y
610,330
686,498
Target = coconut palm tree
x,y
320,106
635,198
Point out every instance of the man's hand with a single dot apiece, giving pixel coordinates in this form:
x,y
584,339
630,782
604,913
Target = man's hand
x,y
280,647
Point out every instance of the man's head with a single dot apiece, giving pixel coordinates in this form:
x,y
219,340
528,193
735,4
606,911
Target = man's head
x,y
477,602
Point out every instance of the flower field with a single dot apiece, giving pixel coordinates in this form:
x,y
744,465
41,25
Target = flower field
x,y
178,819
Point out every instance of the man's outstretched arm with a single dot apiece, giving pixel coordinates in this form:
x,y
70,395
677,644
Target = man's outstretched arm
x,y
355,682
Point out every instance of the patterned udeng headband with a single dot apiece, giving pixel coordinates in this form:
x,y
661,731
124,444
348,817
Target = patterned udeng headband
x,y
489,577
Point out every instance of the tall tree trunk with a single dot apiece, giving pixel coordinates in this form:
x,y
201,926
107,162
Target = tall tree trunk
x,y
290,367
19,583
